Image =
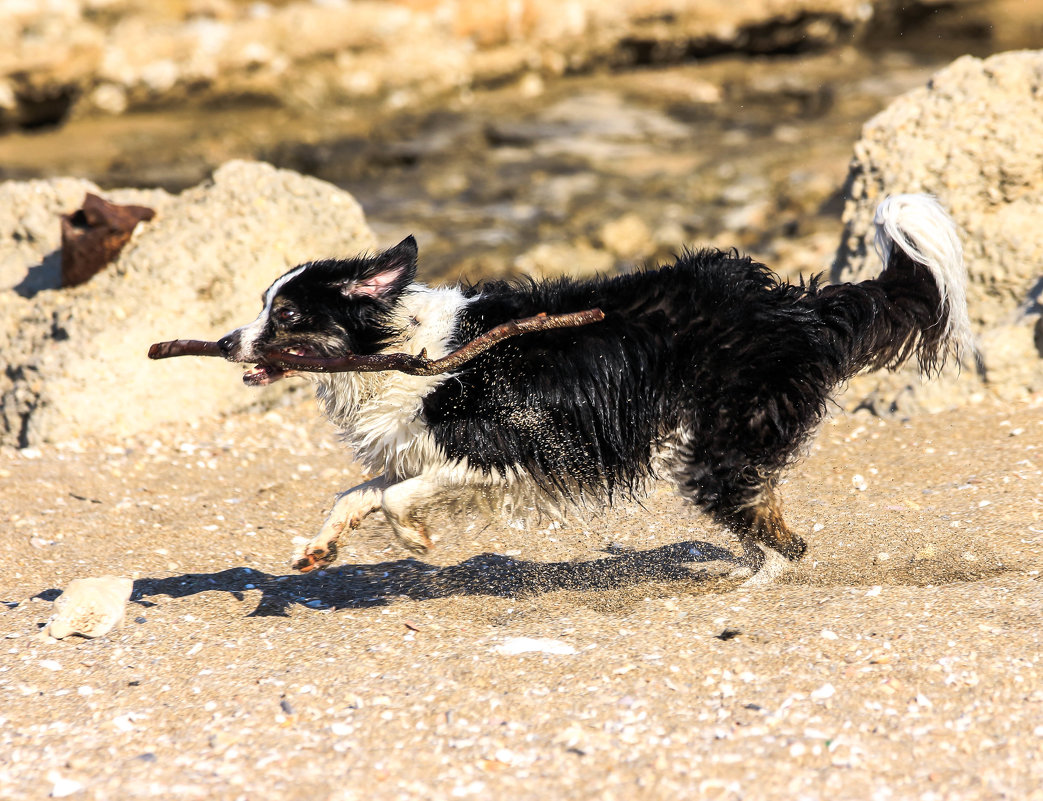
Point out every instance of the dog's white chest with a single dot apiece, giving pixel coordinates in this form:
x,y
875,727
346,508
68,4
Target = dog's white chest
x,y
380,413
384,425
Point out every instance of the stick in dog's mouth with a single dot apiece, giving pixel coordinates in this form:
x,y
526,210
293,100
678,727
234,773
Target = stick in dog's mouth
x,y
260,375
184,347
281,364
273,369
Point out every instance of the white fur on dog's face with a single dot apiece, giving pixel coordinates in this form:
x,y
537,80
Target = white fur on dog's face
x,y
248,335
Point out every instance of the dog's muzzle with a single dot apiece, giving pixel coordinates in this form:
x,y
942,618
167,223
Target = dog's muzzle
x,y
228,345
261,374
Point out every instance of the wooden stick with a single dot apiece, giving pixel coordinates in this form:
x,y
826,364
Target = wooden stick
x,y
402,362
421,365
183,347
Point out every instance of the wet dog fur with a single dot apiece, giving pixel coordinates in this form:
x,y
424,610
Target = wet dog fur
x,y
711,373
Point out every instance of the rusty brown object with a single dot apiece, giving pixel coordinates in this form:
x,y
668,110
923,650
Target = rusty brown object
x,y
401,362
93,236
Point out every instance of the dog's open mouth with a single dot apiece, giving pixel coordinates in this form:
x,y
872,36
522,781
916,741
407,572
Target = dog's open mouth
x,y
261,375
264,373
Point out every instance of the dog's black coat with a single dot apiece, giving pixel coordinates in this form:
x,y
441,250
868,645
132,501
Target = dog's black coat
x,y
714,344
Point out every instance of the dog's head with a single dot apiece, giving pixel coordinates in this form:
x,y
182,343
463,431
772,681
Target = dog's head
x,y
325,308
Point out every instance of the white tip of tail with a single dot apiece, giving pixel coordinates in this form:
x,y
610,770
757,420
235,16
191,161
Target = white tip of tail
x,y
926,233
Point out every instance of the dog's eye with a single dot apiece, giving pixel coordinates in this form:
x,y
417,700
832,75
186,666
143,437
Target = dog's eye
x,y
285,314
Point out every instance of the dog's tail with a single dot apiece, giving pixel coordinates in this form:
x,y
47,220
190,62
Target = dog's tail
x,y
917,305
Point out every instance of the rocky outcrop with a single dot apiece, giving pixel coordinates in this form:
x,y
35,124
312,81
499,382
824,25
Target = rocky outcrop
x,y
82,56
74,359
974,138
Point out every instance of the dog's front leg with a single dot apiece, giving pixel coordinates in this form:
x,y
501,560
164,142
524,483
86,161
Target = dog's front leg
x,y
350,509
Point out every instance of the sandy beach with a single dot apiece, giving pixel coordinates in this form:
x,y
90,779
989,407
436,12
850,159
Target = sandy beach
x,y
601,659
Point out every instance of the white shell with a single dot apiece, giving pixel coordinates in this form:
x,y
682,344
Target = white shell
x,y
90,607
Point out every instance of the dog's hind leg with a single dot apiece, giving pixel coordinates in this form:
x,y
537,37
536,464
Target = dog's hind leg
x,y
770,545
745,501
403,500
348,512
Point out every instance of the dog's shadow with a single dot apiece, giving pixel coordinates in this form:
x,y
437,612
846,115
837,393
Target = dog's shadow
x,y
360,586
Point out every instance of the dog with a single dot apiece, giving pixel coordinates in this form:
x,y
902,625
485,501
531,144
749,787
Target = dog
x,y
711,373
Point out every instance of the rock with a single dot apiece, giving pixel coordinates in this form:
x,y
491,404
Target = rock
x,y
550,259
628,237
30,231
90,607
75,358
974,138
1012,358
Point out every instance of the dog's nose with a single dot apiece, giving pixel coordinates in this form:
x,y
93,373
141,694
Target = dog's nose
x,y
227,344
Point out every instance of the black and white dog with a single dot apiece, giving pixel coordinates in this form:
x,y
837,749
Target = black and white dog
x,y
710,372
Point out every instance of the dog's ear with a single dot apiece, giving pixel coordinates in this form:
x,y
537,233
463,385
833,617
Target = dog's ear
x,y
386,274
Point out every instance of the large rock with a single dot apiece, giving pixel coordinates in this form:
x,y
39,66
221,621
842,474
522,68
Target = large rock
x,y
74,359
974,138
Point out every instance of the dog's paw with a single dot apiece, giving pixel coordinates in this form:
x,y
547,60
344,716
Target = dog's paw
x,y
774,566
316,557
416,540
738,573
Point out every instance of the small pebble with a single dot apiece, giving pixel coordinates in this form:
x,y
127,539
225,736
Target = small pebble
x,y
822,693
524,645
123,723
61,787
859,482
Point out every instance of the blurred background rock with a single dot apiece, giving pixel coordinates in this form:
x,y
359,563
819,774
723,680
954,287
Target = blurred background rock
x,y
513,137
